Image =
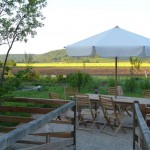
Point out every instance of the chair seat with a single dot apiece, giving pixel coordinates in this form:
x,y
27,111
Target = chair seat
x,y
113,115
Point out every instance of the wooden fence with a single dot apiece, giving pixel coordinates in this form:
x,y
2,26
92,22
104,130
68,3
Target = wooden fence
x,y
29,125
141,132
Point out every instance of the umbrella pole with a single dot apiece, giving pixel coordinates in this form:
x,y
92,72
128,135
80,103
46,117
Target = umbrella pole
x,y
116,77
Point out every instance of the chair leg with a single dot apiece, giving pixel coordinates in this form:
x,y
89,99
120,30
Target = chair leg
x,y
123,129
117,130
94,122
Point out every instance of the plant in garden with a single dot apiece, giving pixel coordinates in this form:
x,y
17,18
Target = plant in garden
x,y
78,79
6,89
88,82
33,75
84,65
145,83
135,64
130,84
60,78
111,82
11,63
18,20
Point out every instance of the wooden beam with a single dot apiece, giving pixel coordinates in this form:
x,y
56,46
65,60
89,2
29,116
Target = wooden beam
x,y
39,101
55,134
6,129
30,142
15,135
25,109
147,110
60,145
61,121
15,119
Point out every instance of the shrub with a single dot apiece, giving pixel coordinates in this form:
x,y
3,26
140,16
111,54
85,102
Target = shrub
x,y
111,82
60,78
33,75
145,83
6,89
130,84
11,63
78,79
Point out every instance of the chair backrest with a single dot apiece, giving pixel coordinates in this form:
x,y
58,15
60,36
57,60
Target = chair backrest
x,y
69,91
54,95
120,91
146,93
107,104
83,102
112,91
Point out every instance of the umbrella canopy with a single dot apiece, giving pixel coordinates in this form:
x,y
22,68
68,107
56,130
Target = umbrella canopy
x,y
112,43
115,42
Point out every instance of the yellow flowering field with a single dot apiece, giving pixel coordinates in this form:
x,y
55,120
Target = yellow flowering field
x,y
109,64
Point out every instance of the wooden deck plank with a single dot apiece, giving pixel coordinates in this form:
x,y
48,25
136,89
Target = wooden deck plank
x,y
61,121
30,142
55,134
26,109
39,101
6,129
15,119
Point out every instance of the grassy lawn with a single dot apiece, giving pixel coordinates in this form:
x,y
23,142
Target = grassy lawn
x,y
101,81
42,93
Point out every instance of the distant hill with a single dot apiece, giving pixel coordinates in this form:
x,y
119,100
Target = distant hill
x,y
53,56
58,56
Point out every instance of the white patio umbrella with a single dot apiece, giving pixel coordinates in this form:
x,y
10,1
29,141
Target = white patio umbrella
x,y
112,43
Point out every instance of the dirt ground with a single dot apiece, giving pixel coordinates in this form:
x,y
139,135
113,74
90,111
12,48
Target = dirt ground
x,y
90,70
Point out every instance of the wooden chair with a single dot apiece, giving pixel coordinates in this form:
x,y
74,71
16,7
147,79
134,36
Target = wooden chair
x,y
125,108
112,91
146,93
112,116
85,112
54,95
69,91
120,91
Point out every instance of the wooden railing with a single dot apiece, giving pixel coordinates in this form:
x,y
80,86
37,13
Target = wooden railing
x,y
15,134
141,132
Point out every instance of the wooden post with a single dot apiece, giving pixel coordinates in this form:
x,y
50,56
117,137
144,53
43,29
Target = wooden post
x,y
74,121
116,72
134,125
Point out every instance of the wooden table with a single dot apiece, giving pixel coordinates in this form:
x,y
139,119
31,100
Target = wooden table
x,y
122,99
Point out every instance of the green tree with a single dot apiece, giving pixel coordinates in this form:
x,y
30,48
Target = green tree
x,y
135,64
10,63
18,20
1,64
28,59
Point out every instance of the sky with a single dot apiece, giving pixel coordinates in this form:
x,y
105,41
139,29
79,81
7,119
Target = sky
x,y
69,21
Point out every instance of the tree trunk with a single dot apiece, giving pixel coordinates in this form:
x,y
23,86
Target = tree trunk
x,y
4,66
